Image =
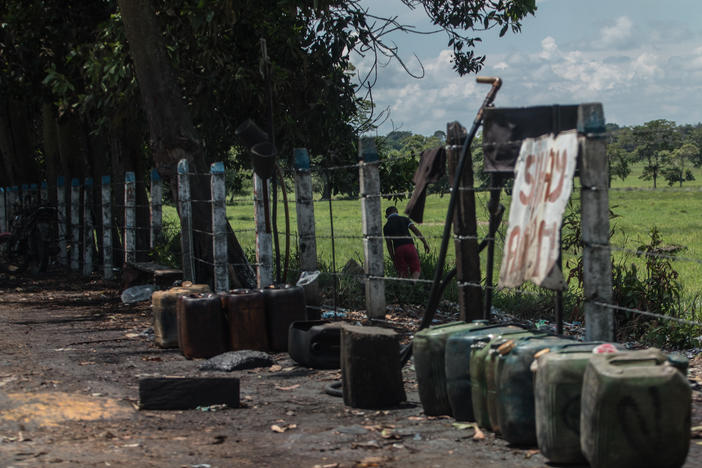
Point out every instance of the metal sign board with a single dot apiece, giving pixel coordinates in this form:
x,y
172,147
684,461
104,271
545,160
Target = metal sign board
x,y
542,186
504,128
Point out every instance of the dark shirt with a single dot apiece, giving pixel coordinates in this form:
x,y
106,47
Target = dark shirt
x,y
398,226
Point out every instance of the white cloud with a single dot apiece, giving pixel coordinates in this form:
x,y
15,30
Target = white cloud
x,y
615,34
549,48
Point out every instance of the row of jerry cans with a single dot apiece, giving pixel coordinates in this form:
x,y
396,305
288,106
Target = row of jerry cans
x,y
203,324
482,372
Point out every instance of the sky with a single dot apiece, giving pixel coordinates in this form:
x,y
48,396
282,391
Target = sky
x,y
642,59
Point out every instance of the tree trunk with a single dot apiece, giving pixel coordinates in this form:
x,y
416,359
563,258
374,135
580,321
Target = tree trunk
x,y
172,133
51,149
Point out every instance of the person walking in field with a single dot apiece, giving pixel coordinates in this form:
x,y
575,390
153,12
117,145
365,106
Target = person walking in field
x,y
400,245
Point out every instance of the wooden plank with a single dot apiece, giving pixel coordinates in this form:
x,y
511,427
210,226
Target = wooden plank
x,y
180,393
219,227
594,179
465,229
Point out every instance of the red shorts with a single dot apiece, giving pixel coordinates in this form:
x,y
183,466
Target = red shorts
x,y
406,260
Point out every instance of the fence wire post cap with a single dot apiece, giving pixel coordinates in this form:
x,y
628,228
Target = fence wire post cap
x,y
106,179
367,149
302,158
217,168
44,184
129,177
88,181
75,182
155,176
183,166
60,181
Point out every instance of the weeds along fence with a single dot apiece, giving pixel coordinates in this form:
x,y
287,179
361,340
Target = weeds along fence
x,y
103,230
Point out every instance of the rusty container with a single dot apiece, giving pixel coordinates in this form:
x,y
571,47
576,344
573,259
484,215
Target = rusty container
x,y
635,411
428,348
284,305
457,366
163,308
558,380
515,387
245,314
201,325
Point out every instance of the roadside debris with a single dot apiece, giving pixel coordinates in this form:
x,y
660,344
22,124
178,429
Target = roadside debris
x,y
237,360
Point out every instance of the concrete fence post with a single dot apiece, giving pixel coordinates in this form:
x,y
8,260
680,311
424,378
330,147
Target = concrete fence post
x,y
129,217
304,205
219,227
88,238
372,220
186,220
106,190
12,202
25,197
61,220
594,196
156,208
44,193
34,195
3,211
75,224
264,239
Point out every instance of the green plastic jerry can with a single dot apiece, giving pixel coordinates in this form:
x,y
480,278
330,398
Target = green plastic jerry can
x,y
515,387
428,350
558,381
457,362
635,411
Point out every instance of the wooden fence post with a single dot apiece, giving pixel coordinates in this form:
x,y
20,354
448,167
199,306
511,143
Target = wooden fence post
x,y
465,229
264,240
304,205
372,220
186,220
88,238
594,196
106,190
61,220
75,224
219,227
156,208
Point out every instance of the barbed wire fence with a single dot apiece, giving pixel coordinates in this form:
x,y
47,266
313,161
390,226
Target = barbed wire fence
x,y
78,219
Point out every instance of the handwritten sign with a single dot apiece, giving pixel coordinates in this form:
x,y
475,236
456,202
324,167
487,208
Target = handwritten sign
x,y
542,186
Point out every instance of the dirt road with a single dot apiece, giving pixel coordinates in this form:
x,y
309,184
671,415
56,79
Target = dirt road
x,y
70,358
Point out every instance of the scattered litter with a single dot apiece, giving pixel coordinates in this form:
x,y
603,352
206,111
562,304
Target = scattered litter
x,y
353,429
307,277
138,293
367,444
291,387
237,360
280,429
212,408
479,434
331,314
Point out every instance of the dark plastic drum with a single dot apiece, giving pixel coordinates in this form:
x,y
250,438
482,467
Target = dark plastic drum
x,y
201,326
245,313
284,305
